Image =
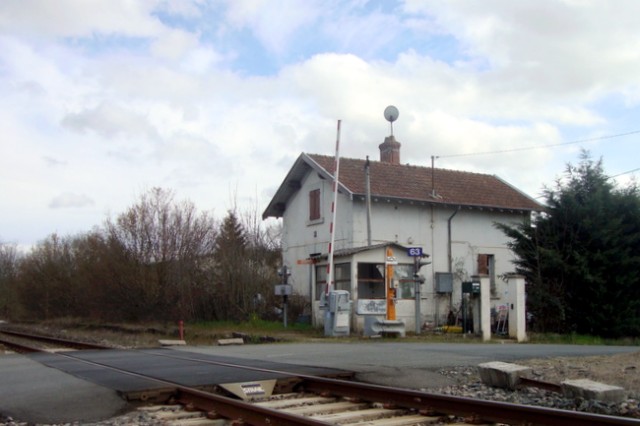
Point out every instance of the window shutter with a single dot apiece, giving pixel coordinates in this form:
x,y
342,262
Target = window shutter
x,y
483,264
314,204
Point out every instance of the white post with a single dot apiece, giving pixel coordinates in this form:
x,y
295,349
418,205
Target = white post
x,y
332,236
517,308
484,309
329,316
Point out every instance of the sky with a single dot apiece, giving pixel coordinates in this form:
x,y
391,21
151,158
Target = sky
x,y
102,100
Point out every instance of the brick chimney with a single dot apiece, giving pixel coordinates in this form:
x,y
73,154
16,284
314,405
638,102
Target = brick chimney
x,y
390,150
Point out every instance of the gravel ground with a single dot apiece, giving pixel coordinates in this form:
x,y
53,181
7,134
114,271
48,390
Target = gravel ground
x,y
618,370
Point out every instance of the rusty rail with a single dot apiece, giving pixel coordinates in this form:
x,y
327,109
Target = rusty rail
x,y
500,412
19,347
492,411
54,340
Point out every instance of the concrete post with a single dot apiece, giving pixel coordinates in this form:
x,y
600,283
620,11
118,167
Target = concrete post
x,y
482,308
517,307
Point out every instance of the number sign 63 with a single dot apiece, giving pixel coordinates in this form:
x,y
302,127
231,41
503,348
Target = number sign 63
x,y
414,251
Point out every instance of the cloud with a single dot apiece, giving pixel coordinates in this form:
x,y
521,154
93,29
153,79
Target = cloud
x,y
552,48
78,18
273,23
173,44
109,120
70,200
53,162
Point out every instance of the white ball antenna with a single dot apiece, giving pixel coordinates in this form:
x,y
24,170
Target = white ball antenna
x,y
391,114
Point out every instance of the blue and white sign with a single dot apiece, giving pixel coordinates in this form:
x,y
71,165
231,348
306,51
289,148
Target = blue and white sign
x,y
414,251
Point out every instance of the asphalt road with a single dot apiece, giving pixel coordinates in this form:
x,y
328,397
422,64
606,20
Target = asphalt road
x,y
410,355
411,365
33,393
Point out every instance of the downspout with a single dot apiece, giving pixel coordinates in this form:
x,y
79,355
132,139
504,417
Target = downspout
x,y
449,251
368,195
449,254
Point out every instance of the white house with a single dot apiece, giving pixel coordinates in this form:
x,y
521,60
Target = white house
x,y
449,214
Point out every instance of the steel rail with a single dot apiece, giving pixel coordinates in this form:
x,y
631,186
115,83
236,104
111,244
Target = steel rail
x,y
209,402
482,409
500,412
19,347
222,405
49,339
240,410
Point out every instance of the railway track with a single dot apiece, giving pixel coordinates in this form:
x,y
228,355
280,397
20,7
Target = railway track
x,y
311,400
29,343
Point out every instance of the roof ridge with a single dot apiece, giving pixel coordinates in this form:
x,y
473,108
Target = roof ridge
x,y
417,166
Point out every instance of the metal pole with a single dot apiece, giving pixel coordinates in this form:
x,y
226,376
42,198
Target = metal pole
x,y
285,310
416,268
368,186
333,214
284,296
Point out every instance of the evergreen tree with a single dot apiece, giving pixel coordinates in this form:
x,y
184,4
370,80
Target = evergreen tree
x,y
230,270
581,257
244,271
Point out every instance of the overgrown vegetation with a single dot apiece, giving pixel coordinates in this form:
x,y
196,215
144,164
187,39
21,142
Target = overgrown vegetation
x,y
160,260
581,257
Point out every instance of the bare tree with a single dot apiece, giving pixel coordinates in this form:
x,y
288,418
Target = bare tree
x,y
8,273
158,260
164,242
47,287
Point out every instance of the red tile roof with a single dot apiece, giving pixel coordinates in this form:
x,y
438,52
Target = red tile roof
x,y
405,182
417,183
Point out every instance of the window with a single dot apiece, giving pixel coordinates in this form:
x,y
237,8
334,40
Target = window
x,y
406,283
487,266
314,205
341,276
371,283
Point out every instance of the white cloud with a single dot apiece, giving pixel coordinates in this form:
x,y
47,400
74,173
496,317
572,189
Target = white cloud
x,y
76,18
273,22
110,120
70,200
173,44
559,48
353,30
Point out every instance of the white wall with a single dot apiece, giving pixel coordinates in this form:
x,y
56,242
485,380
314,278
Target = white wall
x,y
302,238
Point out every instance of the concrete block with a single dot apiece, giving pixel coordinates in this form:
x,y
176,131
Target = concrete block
x,y
502,374
588,389
227,342
378,327
172,342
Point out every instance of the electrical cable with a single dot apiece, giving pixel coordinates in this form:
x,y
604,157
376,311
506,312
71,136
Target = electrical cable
x,y
624,173
542,146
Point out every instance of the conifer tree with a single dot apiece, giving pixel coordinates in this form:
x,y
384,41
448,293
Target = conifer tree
x,y
581,257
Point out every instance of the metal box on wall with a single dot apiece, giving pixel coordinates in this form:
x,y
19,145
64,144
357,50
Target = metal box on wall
x,y
444,282
471,287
